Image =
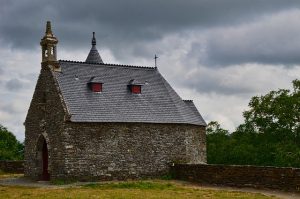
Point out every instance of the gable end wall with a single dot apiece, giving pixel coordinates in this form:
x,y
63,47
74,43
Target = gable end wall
x,y
45,117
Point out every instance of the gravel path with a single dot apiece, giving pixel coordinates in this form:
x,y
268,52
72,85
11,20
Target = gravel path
x,y
21,181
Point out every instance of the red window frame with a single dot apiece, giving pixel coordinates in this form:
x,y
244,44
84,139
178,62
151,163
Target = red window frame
x,y
136,89
97,87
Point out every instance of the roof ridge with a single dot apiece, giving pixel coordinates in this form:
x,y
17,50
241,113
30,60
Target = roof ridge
x,y
187,100
109,64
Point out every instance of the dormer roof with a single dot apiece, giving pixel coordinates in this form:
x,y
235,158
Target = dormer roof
x,y
95,79
135,82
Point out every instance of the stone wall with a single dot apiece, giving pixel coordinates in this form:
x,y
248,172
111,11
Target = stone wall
x,y
107,151
45,120
240,176
11,166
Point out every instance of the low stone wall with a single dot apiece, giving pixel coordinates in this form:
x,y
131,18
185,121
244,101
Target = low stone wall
x,y
11,166
240,176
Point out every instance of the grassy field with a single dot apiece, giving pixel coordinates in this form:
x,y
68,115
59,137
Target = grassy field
x,y
131,190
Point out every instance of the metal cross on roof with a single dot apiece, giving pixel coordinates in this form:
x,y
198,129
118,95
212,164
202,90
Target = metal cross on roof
x,y
155,58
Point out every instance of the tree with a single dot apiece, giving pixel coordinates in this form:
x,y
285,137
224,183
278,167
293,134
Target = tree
x,y
214,127
217,143
270,135
276,114
10,147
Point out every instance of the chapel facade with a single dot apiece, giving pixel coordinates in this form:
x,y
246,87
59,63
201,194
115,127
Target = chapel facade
x,y
92,120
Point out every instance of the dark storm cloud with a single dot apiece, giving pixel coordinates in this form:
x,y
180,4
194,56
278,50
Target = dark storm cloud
x,y
120,23
125,27
273,40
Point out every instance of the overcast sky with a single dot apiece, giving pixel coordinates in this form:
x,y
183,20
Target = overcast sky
x,y
219,53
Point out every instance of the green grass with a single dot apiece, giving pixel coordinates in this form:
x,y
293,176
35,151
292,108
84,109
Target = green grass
x,y
143,185
126,190
62,182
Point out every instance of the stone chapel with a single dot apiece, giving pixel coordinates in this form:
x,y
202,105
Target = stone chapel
x,y
92,120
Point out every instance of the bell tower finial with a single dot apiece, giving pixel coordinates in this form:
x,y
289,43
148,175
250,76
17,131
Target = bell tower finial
x,y
48,28
48,44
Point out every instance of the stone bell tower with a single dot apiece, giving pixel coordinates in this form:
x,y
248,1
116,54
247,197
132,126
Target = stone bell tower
x,y
48,44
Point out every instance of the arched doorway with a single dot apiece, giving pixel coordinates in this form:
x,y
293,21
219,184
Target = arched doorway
x,y
43,159
45,173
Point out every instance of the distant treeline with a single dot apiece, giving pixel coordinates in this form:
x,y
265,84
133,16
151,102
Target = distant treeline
x,y
270,135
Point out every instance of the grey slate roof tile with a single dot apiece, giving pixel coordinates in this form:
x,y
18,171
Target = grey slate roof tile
x,y
158,102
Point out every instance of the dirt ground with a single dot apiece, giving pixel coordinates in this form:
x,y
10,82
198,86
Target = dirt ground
x,y
267,192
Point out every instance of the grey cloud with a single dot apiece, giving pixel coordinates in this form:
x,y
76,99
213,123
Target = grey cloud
x,y
8,108
209,85
119,23
274,40
14,84
32,77
208,82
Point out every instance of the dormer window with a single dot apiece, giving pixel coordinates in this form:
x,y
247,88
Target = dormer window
x,y
135,86
97,87
95,84
136,89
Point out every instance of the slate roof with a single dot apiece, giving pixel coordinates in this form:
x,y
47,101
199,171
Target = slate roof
x,y
158,102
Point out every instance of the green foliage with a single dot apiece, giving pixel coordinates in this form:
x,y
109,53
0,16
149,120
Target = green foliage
x,y
10,147
276,114
270,135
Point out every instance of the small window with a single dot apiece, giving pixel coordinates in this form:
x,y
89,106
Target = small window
x,y
136,89
97,87
95,84
135,86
